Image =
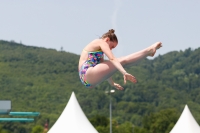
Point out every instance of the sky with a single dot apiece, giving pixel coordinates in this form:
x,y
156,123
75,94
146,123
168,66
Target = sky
x,y
72,24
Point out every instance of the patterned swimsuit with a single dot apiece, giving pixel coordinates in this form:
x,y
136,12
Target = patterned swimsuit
x,y
94,58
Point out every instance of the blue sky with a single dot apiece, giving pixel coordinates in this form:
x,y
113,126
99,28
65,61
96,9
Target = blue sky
x,y
72,24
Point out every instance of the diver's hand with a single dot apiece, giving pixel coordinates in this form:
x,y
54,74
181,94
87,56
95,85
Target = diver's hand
x,y
118,86
129,77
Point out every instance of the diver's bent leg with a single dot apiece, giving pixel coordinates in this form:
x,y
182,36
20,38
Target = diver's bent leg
x,y
103,71
135,57
132,59
100,72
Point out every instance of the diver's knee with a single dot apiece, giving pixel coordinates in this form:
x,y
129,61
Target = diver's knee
x,y
124,62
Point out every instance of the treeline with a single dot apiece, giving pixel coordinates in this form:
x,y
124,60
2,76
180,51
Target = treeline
x,y
42,80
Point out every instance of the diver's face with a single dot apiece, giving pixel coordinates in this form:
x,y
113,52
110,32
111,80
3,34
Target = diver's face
x,y
112,44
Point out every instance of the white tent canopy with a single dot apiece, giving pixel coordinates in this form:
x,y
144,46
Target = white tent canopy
x,y
72,120
186,123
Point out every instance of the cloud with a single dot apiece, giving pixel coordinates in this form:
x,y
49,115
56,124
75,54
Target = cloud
x,y
117,4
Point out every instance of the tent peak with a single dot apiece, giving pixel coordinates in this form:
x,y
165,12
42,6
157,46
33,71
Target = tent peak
x,y
186,123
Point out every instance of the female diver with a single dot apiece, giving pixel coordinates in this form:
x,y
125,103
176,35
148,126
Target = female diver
x,y
94,70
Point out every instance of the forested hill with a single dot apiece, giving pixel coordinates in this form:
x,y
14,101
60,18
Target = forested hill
x,y
39,79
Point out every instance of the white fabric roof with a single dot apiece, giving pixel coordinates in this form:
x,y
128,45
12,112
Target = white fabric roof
x,y
186,123
72,119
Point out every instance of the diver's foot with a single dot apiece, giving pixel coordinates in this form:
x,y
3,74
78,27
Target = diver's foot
x,y
152,49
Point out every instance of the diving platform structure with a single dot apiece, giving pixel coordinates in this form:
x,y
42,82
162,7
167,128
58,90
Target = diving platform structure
x,y
5,109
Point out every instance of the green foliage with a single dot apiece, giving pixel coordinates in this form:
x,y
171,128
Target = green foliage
x,y
126,127
160,122
4,131
99,121
38,129
39,79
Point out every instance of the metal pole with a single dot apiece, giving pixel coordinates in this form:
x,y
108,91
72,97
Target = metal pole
x,y
110,107
110,114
